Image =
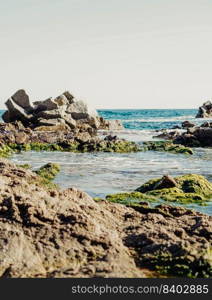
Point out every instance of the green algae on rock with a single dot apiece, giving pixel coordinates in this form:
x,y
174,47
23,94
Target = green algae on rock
x,y
120,146
190,188
5,151
47,173
130,198
190,264
167,146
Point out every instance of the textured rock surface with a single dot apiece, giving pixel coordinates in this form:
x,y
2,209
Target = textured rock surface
x,y
205,111
166,146
187,188
55,233
54,111
195,137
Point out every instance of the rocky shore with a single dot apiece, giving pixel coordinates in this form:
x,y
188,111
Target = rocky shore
x,y
193,136
48,232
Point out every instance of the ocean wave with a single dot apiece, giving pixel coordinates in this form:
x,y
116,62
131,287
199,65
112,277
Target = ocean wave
x,y
165,119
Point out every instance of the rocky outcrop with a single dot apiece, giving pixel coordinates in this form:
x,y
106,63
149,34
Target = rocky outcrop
x,y
205,111
52,112
56,233
13,139
195,137
166,146
190,188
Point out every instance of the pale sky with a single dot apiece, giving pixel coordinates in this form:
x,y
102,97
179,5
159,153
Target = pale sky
x,y
112,53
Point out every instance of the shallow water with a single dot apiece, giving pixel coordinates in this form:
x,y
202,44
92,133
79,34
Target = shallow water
x,y
102,173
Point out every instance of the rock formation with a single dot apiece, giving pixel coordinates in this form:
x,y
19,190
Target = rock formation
x,y
65,233
205,111
61,113
195,137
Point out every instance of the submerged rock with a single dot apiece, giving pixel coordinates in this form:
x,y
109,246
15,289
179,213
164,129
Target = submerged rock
x,y
56,233
166,146
187,124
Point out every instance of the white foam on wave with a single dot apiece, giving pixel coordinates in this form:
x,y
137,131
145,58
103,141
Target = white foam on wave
x,y
165,119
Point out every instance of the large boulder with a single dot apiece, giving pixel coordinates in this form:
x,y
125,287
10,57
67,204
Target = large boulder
x,y
195,137
205,111
22,99
16,113
81,110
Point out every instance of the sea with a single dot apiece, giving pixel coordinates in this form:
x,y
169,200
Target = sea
x,y
100,174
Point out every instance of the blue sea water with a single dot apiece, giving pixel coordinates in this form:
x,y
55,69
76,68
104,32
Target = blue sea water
x,y
102,173
151,119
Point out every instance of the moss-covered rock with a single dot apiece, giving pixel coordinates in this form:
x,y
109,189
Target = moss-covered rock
x,y
190,188
120,146
48,171
190,265
131,198
185,189
167,146
47,174
5,151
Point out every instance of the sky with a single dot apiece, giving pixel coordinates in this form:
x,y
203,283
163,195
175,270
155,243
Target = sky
x,y
111,53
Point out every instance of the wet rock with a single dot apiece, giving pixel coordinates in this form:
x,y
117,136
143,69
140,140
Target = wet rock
x,y
166,146
187,124
206,124
205,111
185,189
198,137
166,182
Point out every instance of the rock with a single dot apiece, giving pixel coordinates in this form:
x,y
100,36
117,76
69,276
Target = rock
x,y
166,146
110,124
166,182
205,111
22,100
176,127
51,233
187,124
21,138
49,122
48,173
53,128
206,124
69,97
16,113
75,113
185,189
46,105
198,137
81,110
